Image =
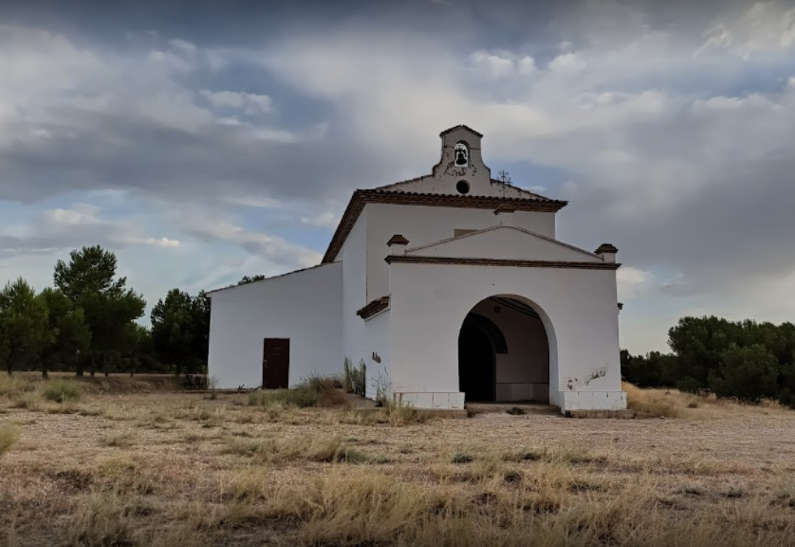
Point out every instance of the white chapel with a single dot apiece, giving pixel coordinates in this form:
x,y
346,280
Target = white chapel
x,y
449,288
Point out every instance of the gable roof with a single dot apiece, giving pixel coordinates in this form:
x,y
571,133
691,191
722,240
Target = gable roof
x,y
399,187
460,126
536,246
360,198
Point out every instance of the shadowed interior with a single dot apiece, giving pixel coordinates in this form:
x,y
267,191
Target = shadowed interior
x,y
503,352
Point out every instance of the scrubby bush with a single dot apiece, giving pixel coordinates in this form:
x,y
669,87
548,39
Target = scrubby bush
x,y
334,450
401,414
14,386
314,391
355,378
61,391
8,436
748,374
390,413
650,403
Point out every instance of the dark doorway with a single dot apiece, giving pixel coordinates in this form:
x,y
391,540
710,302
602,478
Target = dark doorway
x,y
476,359
275,363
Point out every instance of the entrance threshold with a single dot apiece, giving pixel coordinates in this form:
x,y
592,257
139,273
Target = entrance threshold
x,y
511,407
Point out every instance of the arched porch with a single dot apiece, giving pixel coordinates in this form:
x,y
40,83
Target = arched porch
x,y
504,351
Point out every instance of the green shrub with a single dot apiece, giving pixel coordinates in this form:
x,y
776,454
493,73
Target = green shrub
x,y
61,391
786,394
748,373
689,384
8,436
347,381
355,378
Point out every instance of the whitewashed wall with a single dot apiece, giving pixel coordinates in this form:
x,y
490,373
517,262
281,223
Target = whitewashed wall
x,y
361,339
354,257
423,225
304,306
578,308
377,341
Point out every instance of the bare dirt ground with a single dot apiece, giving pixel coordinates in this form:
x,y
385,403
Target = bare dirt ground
x,y
179,468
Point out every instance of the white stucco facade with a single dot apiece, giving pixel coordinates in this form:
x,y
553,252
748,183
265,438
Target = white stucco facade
x,y
304,307
408,264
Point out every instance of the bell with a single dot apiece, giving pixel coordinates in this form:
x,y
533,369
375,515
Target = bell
x,y
460,157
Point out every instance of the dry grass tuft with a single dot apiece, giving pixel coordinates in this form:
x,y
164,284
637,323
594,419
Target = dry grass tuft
x,y
13,385
390,414
119,440
651,403
320,449
334,450
8,436
108,518
61,391
314,392
26,400
566,454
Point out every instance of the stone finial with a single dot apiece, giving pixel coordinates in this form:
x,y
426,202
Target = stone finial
x,y
398,239
607,251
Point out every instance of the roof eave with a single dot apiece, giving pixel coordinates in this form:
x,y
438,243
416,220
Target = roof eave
x,y
361,197
460,126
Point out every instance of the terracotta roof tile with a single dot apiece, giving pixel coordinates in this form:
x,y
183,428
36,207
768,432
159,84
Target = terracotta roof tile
x,y
361,197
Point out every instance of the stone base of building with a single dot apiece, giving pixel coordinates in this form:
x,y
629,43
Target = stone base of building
x,y
569,402
621,414
575,401
433,400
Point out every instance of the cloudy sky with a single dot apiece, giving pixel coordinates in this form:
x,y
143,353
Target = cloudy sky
x,y
208,140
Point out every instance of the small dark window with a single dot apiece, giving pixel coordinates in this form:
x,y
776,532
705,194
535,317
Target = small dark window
x,y
462,186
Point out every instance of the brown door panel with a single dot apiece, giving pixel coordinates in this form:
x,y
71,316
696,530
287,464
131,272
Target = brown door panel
x,y
275,363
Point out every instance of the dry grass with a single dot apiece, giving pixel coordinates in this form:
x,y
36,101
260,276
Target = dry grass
x,y
177,468
318,449
313,392
652,403
8,436
15,385
61,390
391,414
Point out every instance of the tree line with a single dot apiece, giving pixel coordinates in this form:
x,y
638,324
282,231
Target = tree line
x,y
87,322
745,360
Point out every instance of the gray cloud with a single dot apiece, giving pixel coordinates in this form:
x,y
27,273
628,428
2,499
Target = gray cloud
x,y
670,123
58,229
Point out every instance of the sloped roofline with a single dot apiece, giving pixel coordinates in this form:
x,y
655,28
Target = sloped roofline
x,y
362,197
460,126
475,233
239,285
492,181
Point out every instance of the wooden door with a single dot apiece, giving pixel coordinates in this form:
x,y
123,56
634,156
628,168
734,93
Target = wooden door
x,y
275,363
